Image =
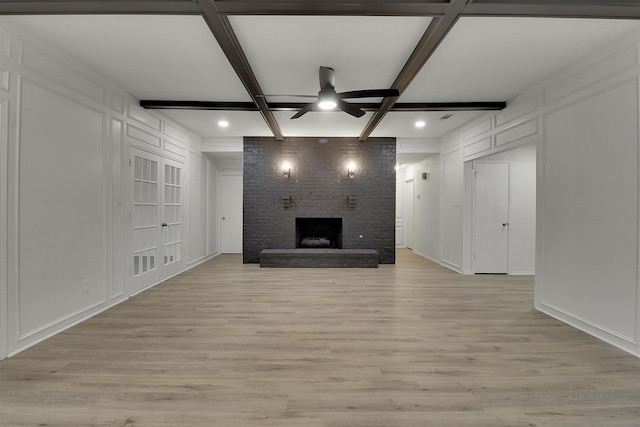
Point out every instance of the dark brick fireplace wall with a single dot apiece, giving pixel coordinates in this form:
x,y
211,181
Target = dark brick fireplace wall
x,y
319,186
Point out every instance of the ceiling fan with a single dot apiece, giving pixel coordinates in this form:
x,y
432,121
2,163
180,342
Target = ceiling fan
x,y
329,100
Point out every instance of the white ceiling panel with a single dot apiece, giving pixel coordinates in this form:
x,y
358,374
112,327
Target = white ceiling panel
x,y
205,122
495,59
321,124
285,52
150,56
402,124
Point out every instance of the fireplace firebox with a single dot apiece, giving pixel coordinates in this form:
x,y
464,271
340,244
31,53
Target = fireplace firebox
x,y
319,233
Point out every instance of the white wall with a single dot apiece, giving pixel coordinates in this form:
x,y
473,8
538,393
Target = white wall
x,y
198,222
426,217
451,207
65,135
585,122
589,237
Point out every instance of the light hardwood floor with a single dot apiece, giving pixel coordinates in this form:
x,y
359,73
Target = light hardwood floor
x,y
411,344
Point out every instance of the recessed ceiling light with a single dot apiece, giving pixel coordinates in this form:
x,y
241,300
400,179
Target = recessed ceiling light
x,y
420,124
223,123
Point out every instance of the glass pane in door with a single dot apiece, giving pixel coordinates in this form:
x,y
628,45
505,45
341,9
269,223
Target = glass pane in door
x,y
172,232
145,207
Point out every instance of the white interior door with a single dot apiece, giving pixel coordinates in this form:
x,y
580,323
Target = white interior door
x,y
491,218
231,214
408,213
156,219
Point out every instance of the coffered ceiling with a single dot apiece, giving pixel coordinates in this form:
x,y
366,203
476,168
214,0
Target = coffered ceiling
x,y
232,54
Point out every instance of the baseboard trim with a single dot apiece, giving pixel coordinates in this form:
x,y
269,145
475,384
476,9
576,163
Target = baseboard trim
x,y
623,343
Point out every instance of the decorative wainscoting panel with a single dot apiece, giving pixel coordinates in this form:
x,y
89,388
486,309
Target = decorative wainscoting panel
x,y
39,62
142,136
477,147
61,206
590,236
517,133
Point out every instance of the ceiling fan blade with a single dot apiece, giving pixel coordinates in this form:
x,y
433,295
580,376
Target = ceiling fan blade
x,y
369,93
350,108
327,77
286,95
304,110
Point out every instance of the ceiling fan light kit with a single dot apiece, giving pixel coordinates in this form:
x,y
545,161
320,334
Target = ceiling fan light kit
x,y
329,100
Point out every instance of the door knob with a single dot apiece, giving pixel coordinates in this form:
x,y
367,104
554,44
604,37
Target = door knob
x,y
504,224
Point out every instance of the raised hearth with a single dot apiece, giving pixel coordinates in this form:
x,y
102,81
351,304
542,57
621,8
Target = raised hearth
x,y
319,258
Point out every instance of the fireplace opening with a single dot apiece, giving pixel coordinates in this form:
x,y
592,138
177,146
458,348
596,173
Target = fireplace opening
x,y
319,233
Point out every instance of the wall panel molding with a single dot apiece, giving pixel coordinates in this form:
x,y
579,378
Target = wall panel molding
x,y
119,179
142,117
117,103
39,62
4,79
175,133
139,135
517,133
515,111
222,145
173,146
592,74
477,147
75,206
417,145
4,179
478,129
5,44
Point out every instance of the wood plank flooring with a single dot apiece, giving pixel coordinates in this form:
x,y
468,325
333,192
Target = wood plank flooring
x,y
411,344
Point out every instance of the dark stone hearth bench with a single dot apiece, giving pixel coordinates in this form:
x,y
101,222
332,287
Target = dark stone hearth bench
x,y
319,258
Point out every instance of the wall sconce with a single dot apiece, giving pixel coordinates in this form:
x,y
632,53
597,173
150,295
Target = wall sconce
x,y
286,170
351,170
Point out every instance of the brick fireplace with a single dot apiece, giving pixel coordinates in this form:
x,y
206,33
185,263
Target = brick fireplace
x,y
330,191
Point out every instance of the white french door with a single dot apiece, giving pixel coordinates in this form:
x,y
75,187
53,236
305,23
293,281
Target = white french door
x,y
156,219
